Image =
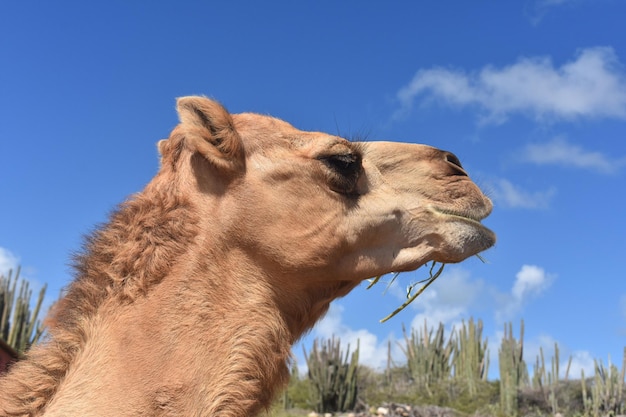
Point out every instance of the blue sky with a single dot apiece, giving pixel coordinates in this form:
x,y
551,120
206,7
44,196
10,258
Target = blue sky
x,y
531,95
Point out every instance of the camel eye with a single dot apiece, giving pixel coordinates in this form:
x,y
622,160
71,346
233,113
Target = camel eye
x,y
344,163
345,171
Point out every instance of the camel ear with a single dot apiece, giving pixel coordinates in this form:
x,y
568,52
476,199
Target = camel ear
x,y
162,146
164,152
210,131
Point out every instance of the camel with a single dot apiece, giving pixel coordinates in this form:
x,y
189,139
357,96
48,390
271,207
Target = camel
x,y
187,302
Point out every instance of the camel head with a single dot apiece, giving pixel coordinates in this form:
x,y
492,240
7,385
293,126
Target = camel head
x,y
312,208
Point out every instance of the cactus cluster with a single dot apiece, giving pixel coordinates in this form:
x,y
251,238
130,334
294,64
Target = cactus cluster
x,y
452,372
432,359
513,370
333,376
471,359
19,326
605,396
548,381
428,356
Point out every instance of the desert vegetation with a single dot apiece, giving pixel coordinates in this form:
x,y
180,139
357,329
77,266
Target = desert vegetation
x,y
447,376
440,375
19,324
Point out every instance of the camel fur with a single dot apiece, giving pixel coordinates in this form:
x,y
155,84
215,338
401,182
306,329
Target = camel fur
x,y
187,302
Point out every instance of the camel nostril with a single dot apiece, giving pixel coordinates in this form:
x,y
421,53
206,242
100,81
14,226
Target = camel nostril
x,y
453,160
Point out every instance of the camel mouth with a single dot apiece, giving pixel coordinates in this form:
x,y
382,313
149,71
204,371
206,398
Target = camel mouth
x,y
471,217
474,235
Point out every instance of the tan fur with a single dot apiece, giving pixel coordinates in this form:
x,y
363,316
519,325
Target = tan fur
x,y
187,302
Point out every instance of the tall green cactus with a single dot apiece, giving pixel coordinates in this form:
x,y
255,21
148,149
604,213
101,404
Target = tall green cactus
x,y
333,376
513,370
429,356
547,381
607,397
19,326
471,361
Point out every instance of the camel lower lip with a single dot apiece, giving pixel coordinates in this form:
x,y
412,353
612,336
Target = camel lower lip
x,y
468,218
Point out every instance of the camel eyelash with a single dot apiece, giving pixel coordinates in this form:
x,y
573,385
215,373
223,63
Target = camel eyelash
x,y
342,162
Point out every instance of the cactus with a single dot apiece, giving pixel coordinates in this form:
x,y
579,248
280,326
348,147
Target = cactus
x,y
333,376
429,357
547,381
19,326
294,376
471,361
513,370
607,391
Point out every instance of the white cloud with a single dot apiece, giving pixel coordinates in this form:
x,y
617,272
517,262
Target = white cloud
x,y
8,261
530,281
533,347
593,85
581,361
540,8
449,318
560,152
448,300
510,195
